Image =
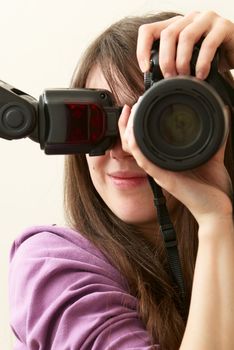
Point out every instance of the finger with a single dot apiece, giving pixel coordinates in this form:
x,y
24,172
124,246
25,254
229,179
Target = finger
x,y
122,124
207,52
130,145
147,34
194,28
168,44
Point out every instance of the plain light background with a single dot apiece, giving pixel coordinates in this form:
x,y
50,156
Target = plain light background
x,y
41,42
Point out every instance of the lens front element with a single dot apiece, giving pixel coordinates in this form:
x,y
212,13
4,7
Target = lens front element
x,y
179,125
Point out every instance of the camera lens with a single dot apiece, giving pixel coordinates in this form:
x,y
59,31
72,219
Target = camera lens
x,y
179,125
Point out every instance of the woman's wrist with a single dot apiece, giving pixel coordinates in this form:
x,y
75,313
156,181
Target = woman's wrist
x,y
216,226
212,208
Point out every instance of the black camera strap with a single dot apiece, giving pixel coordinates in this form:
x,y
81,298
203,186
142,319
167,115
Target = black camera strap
x,y
169,235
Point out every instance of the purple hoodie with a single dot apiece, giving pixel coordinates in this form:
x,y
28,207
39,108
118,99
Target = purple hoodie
x,y
65,295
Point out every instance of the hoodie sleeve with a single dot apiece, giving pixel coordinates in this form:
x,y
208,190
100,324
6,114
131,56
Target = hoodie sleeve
x,y
64,294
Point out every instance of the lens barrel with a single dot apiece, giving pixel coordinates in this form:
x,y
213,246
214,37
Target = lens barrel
x,y
180,123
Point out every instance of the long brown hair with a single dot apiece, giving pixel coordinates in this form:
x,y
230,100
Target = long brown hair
x,y
143,265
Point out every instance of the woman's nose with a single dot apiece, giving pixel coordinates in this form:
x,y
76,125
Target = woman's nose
x,y
117,152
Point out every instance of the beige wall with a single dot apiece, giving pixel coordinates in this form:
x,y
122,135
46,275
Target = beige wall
x,y
40,44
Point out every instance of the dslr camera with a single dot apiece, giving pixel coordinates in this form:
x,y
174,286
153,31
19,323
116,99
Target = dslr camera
x,y
179,123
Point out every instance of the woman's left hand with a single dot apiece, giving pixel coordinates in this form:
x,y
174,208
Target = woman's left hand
x,y
204,191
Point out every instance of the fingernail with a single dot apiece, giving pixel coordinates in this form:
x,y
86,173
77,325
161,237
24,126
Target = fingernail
x,y
144,65
170,75
200,75
167,75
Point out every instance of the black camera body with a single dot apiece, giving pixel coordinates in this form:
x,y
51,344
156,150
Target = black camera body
x,y
181,122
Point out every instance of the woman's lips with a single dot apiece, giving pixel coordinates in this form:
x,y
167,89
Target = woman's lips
x,y
127,179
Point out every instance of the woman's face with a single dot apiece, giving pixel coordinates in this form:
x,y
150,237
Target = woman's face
x,y
117,178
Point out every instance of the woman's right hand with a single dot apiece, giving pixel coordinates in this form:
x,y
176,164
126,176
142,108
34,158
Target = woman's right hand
x,y
206,189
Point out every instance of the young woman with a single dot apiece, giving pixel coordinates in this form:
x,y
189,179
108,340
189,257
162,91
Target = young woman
x,y
106,283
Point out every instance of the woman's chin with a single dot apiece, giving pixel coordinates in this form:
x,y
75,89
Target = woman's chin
x,y
137,218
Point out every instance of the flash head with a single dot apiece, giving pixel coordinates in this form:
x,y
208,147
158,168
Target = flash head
x,y
77,121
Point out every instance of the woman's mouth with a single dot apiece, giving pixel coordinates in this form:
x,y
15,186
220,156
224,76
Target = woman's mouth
x,y
127,179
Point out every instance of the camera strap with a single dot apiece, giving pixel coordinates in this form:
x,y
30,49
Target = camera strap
x,y
169,235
